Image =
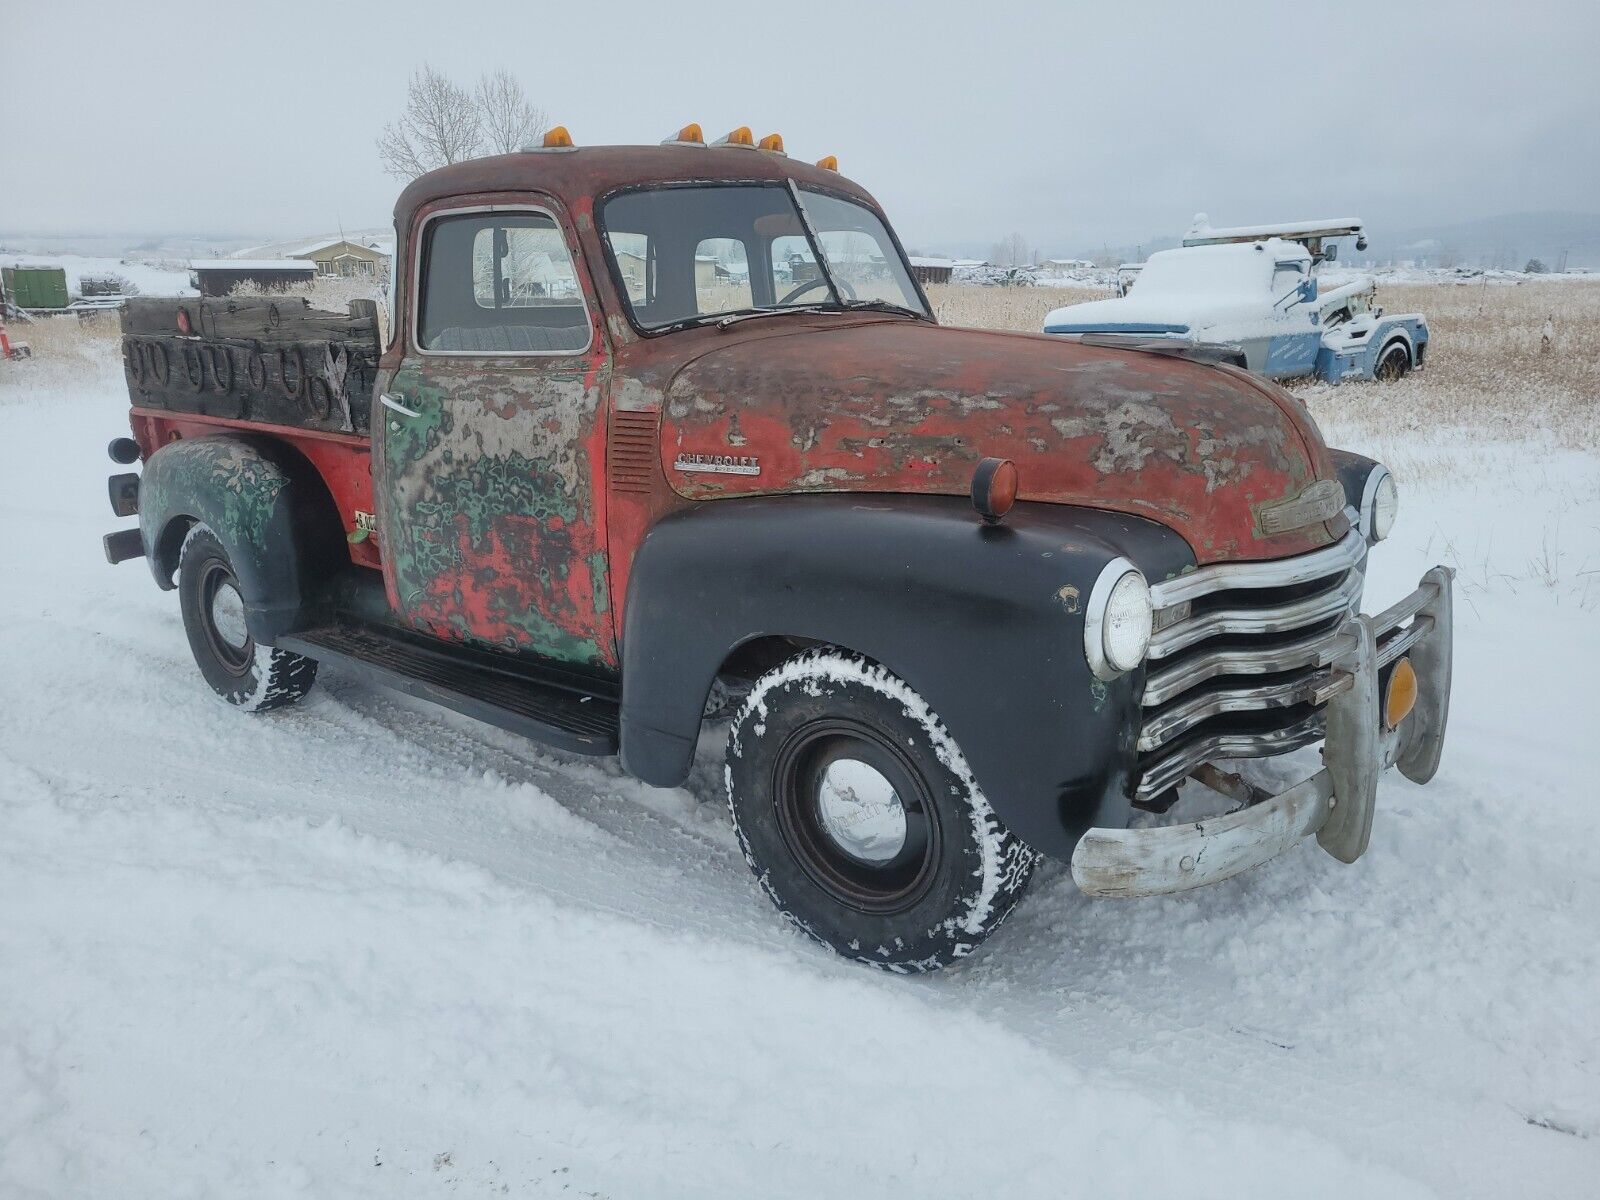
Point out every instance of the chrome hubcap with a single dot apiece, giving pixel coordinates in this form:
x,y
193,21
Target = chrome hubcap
x,y
227,616
860,811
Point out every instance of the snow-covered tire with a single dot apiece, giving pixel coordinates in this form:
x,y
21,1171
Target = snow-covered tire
x,y
252,677
861,820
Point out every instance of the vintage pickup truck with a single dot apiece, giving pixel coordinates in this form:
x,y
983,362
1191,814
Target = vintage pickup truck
x,y
659,425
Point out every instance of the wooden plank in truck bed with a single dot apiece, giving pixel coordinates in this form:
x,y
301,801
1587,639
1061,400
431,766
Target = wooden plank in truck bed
x,y
274,360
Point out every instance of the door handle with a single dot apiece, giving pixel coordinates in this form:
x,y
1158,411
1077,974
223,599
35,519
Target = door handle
x,y
392,400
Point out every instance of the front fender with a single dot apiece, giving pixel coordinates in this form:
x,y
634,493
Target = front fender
x,y
985,622
249,500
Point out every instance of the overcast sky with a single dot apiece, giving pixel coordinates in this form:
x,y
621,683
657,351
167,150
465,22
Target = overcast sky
x,y
1073,124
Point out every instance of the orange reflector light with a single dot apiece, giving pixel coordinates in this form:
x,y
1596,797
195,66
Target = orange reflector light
x,y
739,137
773,142
558,139
829,162
994,488
689,133
1400,697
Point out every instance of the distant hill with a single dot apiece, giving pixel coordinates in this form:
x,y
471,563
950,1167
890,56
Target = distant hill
x,y
1507,241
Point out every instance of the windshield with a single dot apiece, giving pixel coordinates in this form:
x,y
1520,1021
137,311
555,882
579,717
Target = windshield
x,y
703,253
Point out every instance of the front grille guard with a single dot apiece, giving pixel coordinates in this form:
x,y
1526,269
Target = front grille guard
x,y
1248,675
1337,802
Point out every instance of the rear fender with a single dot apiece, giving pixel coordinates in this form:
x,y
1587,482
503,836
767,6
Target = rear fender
x,y
985,622
263,509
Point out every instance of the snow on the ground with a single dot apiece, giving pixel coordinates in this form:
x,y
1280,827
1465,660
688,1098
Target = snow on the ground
x,y
163,277
364,948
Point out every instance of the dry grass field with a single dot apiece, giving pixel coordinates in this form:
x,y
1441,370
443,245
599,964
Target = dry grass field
x,y
66,350
1003,307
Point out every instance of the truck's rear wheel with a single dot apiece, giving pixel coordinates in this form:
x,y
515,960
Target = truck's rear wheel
x,y
860,819
243,673
1393,363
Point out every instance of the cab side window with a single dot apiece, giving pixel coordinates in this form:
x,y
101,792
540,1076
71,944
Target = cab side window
x,y
499,283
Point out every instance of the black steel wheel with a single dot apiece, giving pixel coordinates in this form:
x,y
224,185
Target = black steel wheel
x,y
854,811
860,819
243,673
1393,363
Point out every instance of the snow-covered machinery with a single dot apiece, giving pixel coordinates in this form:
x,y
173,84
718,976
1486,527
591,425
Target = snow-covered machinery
x,y
1251,295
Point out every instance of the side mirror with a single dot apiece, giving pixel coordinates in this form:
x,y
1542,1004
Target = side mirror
x,y
1330,253
1308,289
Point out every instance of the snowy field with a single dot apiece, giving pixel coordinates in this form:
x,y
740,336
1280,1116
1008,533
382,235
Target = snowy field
x,y
364,948
153,277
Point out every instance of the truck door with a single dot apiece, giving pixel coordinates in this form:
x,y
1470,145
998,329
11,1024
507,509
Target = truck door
x,y
490,441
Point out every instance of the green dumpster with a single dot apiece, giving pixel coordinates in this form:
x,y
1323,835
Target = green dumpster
x,y
35,287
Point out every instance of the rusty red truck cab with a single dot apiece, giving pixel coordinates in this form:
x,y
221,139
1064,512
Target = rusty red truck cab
x,y
663,432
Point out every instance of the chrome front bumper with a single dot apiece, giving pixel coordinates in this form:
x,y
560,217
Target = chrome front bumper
x,y
1336,803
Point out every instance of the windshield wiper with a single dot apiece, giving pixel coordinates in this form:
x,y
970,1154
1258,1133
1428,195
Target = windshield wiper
x,y
686,323
825,307
887,306
753,313
828,306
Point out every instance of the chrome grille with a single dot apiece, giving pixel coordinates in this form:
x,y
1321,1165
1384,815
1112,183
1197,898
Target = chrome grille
x,y
1240,661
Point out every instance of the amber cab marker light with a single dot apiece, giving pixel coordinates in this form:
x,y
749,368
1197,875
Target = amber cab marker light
x,y
829,162
558,139
689,135
738,137
1400,697
773,143
994,489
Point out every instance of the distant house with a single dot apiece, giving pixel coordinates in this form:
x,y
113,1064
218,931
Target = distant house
x,y
932,270
345,258
1058,266
802,268
632,267
334,257
219,276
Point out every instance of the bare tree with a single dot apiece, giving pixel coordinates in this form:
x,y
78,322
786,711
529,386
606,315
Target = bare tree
x,y
441,124
509,119
1011,251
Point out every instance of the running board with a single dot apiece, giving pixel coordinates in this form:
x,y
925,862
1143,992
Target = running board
x,y
560,716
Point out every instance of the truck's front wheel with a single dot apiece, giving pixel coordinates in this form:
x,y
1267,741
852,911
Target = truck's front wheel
x,y
245,674
861,820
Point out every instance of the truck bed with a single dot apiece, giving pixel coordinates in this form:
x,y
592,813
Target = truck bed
x,y
267,360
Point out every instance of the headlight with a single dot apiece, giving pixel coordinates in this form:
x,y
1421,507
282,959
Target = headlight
x,y
1116,628
1380,504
